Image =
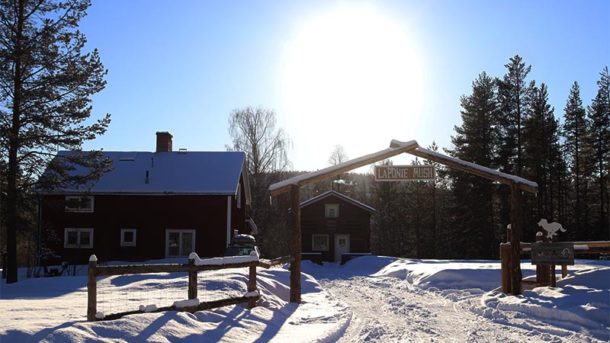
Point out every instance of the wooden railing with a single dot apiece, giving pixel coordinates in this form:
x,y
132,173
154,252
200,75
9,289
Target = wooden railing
x,y
191,268
545,274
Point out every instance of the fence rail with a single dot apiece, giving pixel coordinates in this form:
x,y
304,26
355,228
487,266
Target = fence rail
x,y
190,268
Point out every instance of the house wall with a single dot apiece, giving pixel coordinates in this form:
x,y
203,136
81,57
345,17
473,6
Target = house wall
x,y
352,220
150,216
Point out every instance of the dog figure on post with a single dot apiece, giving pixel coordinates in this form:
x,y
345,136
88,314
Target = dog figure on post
x,y
551,228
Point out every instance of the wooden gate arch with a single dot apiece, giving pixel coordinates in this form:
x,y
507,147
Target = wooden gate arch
x,y
517,186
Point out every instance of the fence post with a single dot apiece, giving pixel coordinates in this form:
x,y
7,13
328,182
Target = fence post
x,y
564,271
192,288
92,289
252,285
504,261
543,271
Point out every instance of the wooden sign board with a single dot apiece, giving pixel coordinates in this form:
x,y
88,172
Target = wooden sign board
x,y
553,253
404,173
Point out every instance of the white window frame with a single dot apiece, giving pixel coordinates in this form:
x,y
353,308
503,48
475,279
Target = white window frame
x,y
313,242
328,208
168,231
78,231
79,210
128,244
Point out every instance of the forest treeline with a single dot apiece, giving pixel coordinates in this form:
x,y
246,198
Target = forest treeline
x,y
507,124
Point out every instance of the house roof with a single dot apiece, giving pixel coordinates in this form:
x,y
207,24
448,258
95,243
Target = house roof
x,y
209,173
340,196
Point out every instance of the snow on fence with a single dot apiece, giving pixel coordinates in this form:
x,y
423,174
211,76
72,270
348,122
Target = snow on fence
x,y
194,265
545,274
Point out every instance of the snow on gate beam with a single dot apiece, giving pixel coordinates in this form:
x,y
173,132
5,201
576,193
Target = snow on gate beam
x,y
396,148
472,168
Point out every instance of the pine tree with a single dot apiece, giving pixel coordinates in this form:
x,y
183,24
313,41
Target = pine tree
x,y
475,141
541,153
599,140
512,96
575,132
46,84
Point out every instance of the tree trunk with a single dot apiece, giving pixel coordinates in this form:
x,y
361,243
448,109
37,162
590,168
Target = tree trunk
x,y
13,164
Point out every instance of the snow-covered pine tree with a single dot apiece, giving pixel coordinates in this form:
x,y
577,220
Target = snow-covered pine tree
x,y
46,84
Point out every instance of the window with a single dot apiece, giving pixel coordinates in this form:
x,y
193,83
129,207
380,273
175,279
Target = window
x,y
319,242
331,210
79,204
179,243
128,237
78,238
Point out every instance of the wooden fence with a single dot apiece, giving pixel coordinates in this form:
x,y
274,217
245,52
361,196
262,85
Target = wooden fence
x,y
545,274
190,268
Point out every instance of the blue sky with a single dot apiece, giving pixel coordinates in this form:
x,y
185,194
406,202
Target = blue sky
x,y
355,73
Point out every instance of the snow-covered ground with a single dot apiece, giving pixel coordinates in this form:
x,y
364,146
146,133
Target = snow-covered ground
x,y
398,300
369,299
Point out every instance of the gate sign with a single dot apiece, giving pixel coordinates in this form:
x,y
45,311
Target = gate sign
x,y
553,253
404,173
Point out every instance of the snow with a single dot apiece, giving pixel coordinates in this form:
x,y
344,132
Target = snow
x,y
193,172
186,303
369,299
220,261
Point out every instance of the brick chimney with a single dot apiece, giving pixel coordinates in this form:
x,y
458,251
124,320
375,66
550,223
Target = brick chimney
x,y
164,141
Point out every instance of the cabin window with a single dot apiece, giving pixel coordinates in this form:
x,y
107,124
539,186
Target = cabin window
x,y
331,210
179,243
319,242
79,204
78,238
128,237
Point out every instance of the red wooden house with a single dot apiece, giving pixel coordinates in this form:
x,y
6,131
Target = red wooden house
x,y
333,224
151,205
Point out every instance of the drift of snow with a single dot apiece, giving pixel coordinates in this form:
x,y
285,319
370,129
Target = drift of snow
x,y
186,303
148,308
426,300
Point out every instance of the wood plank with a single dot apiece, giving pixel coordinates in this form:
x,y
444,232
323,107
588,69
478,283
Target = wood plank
x,y
395,148
92,289
166,268
472,168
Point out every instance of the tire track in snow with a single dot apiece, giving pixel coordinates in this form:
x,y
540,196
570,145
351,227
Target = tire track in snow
x,y
392,310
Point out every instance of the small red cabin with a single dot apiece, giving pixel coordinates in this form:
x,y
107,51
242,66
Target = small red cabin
x,y
150,205
333,224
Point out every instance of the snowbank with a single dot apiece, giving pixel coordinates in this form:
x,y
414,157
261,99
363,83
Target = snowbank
x,y
580,303
54,310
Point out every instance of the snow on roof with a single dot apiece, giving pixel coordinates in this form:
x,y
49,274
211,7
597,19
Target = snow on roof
x,y
210,173
338,195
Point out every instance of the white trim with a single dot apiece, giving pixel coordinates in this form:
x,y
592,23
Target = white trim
x,y
78,238
228,221
313,240
76,209
128,244
168,231
331,209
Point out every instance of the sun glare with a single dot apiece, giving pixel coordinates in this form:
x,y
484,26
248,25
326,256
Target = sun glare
x,y
352,77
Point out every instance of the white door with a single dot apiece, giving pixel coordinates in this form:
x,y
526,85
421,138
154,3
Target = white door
x,y
341,246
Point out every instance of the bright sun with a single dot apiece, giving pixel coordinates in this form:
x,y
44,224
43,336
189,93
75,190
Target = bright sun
x,y
353,77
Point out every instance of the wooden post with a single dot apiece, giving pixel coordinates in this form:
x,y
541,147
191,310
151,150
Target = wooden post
x,y
295,265
543,276
564,271
92,289
192,288
553,276
252,285
505,262
515,223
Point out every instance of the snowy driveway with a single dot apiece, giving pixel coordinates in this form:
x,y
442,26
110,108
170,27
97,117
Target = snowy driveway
x,y
392,307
